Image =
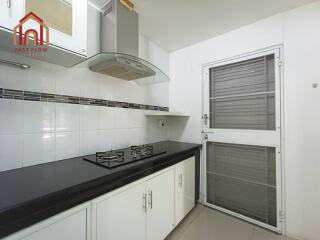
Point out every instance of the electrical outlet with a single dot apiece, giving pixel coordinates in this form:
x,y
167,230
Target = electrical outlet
x,y
162,123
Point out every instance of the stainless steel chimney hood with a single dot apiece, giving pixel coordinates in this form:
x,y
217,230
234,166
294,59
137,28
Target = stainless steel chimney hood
x,y
119,48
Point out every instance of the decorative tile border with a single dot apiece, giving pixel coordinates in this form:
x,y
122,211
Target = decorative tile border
x,y
47,97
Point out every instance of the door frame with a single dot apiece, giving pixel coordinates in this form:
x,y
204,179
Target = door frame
x,y
278,134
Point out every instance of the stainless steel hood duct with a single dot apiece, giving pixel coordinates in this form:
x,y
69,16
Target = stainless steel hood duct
x,y
119,29
119,47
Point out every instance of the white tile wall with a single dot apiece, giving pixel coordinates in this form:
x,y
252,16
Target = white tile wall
x,y
106,140
38,148
11,151
89,118
67,117
107,118
67,145
11,116
122,118
38,117
36,132
89,142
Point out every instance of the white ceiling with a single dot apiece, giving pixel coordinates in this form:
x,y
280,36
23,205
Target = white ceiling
x,y
174,24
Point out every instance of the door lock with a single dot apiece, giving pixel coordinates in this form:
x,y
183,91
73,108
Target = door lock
x,y
206,137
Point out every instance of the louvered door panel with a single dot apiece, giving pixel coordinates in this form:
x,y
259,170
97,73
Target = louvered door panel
x,y
242,95
242,178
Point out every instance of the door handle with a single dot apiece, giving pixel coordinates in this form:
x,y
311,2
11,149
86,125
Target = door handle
x,y
150,199
180,180
144,202
9,3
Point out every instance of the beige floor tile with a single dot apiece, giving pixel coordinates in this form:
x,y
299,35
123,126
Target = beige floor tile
x,y
195,212
212,225
204,223
175,235
262,234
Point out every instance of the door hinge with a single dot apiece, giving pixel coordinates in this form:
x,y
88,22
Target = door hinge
x,y
282,216
280,63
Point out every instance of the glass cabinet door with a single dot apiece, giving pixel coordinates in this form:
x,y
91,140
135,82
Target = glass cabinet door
x,y
57,14
66,20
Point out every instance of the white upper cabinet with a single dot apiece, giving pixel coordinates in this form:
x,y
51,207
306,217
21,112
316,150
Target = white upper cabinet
x,y
10,13
184,188
65,19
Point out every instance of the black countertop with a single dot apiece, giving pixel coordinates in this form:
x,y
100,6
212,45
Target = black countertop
x,y
32,194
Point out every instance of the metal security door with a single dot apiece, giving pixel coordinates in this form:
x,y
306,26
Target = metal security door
x,y
242,137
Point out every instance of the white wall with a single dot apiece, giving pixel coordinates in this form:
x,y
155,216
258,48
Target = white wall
x,y
39,132
298,31
302,118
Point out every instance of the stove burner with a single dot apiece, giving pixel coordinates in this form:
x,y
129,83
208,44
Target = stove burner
x,y
109,157
113,159
142,150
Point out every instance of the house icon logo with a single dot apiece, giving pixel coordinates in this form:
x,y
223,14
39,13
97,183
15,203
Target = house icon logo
x,y
21,36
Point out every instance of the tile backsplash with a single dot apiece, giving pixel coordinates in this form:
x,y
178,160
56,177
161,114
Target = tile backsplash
x,y
35,132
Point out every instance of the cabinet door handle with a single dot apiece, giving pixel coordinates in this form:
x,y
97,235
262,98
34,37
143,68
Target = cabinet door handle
x,y
144,202
9,3
180,180
150,199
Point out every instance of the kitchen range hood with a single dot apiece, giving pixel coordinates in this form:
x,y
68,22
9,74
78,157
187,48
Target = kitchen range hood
x,y
119,48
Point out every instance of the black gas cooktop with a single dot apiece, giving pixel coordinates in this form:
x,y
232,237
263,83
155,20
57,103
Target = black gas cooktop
x,y
117,158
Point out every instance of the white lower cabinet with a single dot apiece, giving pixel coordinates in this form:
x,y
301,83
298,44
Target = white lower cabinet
x,y
184,188
121,215
160,213
143,210
147,209
71,224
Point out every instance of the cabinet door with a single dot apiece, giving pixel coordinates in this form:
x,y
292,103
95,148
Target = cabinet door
x,y
160,214
73,227
184,188
11,11
72,224
122,216
66,19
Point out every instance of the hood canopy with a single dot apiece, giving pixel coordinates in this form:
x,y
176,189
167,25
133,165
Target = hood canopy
x,y
119,48
124,66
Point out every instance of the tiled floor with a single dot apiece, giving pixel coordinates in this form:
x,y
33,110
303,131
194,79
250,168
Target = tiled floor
x,y
206,224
